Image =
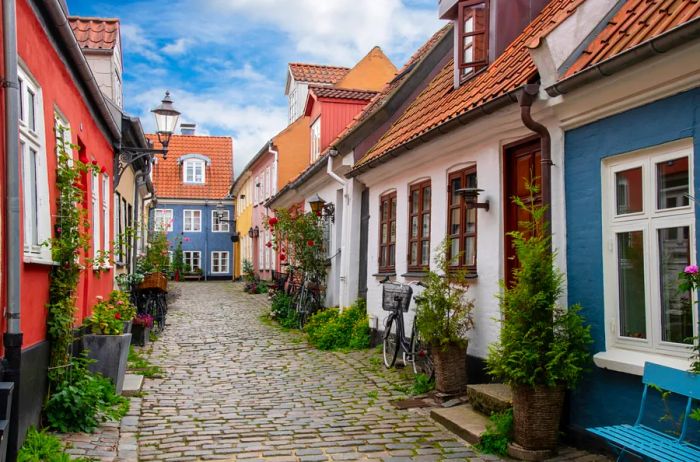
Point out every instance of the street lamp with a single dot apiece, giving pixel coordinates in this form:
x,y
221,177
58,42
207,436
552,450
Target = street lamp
x,y
219,213
321,209
166,120
471,198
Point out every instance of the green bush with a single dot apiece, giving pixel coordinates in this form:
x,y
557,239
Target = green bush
x,y
422,384
499,432
282,310
42,447
332,329
83,401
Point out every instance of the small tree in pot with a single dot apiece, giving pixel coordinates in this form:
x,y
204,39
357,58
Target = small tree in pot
x,y
543,347
443,318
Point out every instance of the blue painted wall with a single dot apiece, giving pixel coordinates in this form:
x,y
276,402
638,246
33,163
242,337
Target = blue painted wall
x,y
204,241
607,397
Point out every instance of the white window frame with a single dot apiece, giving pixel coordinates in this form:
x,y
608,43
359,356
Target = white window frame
x,y
96,215
627,354
220,226
195,164
61,121
256,190
198,222
188,258
267,183
158,221
220,262
106,235
316,140
36,200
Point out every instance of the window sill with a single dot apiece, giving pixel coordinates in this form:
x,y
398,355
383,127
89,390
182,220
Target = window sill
x,y
415,274
632,362
34,260
468,275
383,274
101,268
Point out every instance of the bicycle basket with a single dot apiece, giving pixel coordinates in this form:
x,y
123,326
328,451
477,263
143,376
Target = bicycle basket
x,y
396,296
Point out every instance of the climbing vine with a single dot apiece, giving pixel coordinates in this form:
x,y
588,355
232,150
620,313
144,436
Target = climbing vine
x,y
299,239
69,239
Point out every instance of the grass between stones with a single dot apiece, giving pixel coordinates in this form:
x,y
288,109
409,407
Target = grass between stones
x,y
140,365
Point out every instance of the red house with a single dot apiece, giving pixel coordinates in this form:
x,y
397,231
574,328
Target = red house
x,y
54,86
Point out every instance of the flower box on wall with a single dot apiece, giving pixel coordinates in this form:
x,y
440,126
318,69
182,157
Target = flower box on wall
x,y
110,354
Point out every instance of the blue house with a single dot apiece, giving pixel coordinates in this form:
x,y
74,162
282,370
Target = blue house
x,y
629,103
192,185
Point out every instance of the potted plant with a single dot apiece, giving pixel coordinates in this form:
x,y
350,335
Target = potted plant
x,y
141,329
543,348
124,308
178,263
107,344
443,318
155,264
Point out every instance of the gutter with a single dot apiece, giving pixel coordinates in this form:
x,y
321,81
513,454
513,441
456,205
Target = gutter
x,y
660,44
527,98
58,19
446,127
332,174
12,337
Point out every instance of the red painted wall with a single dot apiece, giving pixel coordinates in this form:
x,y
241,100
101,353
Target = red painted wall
x,y
59,91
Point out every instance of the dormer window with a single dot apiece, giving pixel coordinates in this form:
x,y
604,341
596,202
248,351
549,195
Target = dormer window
x,y
472,38
193,171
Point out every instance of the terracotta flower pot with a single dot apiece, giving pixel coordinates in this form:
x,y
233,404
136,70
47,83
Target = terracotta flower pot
x,y
450,368
536,415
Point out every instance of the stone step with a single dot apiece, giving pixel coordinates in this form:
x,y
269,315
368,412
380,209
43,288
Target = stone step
x,y
490,398
132,384
463,421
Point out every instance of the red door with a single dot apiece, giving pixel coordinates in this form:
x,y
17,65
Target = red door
x,y
522,166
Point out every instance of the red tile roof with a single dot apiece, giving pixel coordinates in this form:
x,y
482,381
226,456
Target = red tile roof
x,y
342,93
95,33
167,174
317,73
440,102
635,23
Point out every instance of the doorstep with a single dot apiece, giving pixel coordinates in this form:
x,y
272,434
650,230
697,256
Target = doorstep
x,y
132,384
463,421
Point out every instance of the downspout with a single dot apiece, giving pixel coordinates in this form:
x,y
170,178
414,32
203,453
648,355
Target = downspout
x,y
134,247
332,174
12,338
527,98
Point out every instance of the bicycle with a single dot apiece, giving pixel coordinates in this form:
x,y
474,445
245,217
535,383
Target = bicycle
x,y
308,300
153,302
396,298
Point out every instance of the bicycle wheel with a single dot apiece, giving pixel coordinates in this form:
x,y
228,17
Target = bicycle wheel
x,y
161,310
302,307
421,360
154,311
390,343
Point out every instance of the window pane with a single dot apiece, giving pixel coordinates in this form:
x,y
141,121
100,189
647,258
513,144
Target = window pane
x,y
385,210
676,308
31,107
414,226
629,190
414,201
425,253
393,208
393,232
426,199
426,225
672,183
384,233
471,181
455,185
413,254
471,220
21,98
454,221
470,251
454,252
34,212
630,267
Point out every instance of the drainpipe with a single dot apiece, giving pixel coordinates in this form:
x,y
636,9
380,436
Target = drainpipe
x,y
527,98
12,338
332,174
139,176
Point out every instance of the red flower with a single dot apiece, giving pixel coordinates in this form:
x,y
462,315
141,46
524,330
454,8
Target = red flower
x,y
273,221
94,162
269,244
103,170
283,257
118,316
319,213
310,243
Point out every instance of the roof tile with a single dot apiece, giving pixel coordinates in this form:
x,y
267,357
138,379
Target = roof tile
x,y
440,102
167,174
635,23
342,93
317,73
95,33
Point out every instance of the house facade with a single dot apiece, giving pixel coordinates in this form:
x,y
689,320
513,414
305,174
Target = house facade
x,y
193,184
59,102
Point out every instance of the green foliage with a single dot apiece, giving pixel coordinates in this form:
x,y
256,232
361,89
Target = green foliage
x,y
40,446
178,263
331,329
541,343
248,271
105,319
689,281
282,310
156,259
299,237
443,316
121,301
83,400
422,384
695,414
499,432
127,282
140,365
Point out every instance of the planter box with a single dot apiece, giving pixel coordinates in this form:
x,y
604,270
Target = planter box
x,y
127,327
110,353
140,335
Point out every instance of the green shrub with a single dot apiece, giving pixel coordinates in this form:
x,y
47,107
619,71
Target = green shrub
x,y
499,432
83,401
282,310
42,447
332,329
422,384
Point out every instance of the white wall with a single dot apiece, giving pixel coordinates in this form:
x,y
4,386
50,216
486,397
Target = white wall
x,y
482,143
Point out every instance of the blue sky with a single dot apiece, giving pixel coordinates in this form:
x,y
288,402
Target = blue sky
x,y
225,61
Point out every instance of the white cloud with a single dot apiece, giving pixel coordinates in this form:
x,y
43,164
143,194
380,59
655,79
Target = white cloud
x,y
177,47
135,41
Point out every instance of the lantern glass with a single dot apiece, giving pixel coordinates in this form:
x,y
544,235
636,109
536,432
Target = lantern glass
x,y
316,204
166,117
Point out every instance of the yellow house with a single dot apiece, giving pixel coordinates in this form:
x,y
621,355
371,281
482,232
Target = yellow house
x,y
242,191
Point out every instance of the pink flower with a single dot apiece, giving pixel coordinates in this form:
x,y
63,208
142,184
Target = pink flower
x,y
120,302
99,298
186,239
691,269
59,230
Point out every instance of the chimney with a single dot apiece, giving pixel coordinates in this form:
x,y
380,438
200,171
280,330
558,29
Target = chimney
x,y
187,129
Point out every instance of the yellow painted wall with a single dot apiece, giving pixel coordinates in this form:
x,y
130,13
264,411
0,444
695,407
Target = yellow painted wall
x,y
244,220
293,145
372,72
125,188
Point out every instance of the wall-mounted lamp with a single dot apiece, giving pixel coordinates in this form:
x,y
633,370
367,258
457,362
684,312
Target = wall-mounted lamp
x,y
250,233
256,232
321,209
471,198
220,213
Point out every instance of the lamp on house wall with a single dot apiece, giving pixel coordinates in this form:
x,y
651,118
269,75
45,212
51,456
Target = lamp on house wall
x,y
321,209
219,213
250,233
471,198
166,120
